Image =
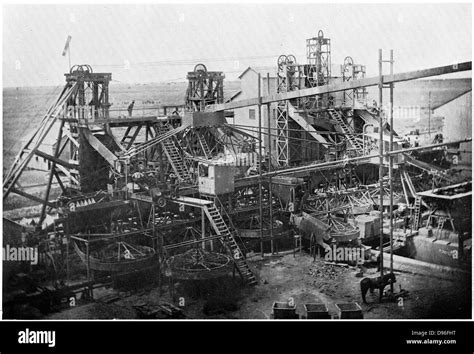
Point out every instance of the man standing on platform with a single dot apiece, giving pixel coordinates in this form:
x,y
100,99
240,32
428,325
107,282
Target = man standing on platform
x,y
130,109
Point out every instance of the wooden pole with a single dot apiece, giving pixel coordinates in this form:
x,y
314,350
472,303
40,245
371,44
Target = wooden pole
x,y
381,159
270,187
88,270
66,232
51,172
391,169
260,162
203,227
429,114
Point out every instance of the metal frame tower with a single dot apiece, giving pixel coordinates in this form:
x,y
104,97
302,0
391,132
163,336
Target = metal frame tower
x,y
360,94
283,148
93,93
318,54
347,71
205,88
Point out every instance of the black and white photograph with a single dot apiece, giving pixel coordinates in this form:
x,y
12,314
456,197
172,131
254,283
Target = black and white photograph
x,y
237,161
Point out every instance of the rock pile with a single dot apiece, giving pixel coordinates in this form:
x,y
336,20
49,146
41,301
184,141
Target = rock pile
x,y
322,270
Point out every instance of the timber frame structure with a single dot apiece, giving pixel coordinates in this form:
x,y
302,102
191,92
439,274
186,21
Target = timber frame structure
x,y
149,169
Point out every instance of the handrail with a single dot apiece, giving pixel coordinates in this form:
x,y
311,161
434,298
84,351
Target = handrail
x,y
229,219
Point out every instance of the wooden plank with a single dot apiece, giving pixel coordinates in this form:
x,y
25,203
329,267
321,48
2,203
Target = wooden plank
x,y
54,159
134,137
68,174
348,85
61,184
305,125
195,202
100,148
71,138
32,197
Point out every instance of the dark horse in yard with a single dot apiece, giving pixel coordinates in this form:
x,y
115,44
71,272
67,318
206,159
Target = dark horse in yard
x,y
376,283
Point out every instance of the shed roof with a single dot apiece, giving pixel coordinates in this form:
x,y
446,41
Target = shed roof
x,y
262,70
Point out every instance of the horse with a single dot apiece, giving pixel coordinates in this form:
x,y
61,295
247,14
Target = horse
x,y
376,283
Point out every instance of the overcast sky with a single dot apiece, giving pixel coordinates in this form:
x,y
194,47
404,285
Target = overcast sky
x,y
152,43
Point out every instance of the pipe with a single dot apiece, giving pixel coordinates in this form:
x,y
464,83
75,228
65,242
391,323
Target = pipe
x,y
323,165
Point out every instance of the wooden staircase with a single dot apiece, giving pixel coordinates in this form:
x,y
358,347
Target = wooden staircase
x,y
174,156
228,240
347,130
204,146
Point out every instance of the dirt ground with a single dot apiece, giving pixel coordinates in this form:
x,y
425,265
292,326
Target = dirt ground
x,y
284,277
290,276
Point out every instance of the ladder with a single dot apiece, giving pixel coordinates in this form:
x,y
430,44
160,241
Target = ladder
x,y
418,200
356,144
417,210
174,156
228,240
204,146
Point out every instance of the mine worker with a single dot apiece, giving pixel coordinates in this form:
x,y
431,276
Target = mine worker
x,y
374,109
130,108
417,142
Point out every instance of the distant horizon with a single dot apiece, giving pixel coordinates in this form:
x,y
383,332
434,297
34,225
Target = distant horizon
x,y
115,83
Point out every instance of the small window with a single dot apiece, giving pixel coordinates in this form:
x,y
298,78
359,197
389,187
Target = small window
x,y
251,113
203,171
